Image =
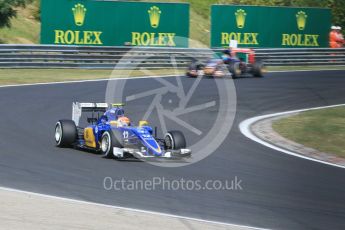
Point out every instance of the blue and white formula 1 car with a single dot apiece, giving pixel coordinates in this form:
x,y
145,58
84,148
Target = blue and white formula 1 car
x,y
111,133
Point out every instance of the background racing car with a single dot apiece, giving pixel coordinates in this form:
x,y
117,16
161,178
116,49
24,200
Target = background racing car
x,y
110,132
235,62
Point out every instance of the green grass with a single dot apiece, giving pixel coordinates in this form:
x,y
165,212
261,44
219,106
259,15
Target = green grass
x,y
25,29
288,68
323,130
199,30
24,76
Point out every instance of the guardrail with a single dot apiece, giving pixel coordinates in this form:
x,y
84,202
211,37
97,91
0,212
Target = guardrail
x,y
47,56
50,56
302,57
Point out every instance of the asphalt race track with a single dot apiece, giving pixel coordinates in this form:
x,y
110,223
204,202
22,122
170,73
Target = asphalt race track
x,y
279,191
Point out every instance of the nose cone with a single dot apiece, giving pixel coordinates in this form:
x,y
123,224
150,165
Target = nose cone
x,y
152,145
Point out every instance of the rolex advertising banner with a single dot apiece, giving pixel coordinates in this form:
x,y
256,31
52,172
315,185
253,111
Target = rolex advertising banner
x,y
270,27
114,23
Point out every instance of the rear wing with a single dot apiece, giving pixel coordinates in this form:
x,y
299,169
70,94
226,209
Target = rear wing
x,y
79,108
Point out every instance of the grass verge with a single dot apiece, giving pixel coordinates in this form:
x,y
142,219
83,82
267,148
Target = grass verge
x,y
292,68
25,29
26,76
323,130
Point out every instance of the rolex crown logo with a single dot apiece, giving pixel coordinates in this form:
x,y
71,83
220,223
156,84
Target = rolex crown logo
x,y
155,14
301,20
240,18
79,12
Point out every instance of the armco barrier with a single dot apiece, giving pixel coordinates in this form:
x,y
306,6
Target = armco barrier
x,y
302,57
46,56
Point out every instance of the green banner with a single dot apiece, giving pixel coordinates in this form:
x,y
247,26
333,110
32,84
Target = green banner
x,y
113,23
270,27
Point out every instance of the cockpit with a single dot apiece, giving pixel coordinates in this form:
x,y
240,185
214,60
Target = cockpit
x,y
114,114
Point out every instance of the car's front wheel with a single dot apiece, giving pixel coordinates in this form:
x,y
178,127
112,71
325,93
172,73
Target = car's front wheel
x,y
175,140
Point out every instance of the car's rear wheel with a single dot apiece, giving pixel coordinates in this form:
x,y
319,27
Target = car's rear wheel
x,y
235,69
65,133
258,69
175,140
108,142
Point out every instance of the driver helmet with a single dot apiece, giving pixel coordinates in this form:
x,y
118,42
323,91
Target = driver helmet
x,y
111,115
104,119
124,121
227,52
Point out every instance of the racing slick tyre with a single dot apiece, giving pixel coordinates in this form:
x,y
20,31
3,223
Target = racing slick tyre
x,y
235,69
65,133
197,67
175,140
258,69
108,141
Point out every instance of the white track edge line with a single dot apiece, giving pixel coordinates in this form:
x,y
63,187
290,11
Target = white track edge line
x,y
142,77
85,81
245,125
127,209
304,70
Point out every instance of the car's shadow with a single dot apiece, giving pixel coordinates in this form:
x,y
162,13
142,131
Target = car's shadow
x,y
152,160
227,77
130,159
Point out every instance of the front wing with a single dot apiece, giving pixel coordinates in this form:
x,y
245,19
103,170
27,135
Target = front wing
x,y
168,154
